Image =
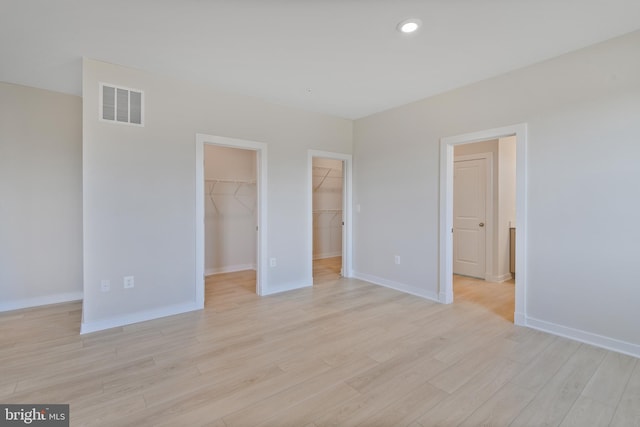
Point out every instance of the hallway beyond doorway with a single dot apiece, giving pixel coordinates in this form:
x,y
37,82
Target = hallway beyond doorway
x,y
498,298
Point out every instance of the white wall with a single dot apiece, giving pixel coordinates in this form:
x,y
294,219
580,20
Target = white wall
x,y
139,190
230,223
327,207
40,197
582,112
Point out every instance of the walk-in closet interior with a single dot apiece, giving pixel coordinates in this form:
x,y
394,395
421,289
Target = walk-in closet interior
x,y
328,182
230,216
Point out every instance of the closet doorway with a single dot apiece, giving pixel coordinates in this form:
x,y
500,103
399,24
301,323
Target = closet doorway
x,y
230,216
230,219
330,213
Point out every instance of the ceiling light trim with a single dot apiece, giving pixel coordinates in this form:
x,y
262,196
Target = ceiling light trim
x,y
409,26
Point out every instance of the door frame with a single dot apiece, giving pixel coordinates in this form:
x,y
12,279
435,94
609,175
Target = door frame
x,y
488,210
446,211
261,208
347,210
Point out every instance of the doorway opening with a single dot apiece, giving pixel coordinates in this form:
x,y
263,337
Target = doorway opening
x,y
497,228
229,219
329,229
327,188
484,201
230,214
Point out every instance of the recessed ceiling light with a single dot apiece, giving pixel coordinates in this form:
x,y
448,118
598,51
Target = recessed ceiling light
x,y
409,26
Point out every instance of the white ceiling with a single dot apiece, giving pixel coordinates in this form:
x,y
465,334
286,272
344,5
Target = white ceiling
x,y
340,57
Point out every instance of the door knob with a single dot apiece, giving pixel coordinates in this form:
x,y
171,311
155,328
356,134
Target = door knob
x,y
481,224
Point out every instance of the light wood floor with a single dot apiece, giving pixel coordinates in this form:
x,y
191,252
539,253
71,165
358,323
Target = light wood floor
x,y
326,270
499,298
344,353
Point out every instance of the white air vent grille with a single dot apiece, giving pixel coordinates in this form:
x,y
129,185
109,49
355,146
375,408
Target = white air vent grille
x,y
121,105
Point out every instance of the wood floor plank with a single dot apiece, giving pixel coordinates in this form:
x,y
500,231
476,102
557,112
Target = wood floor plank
x,y
588,412
213,386
7,388
554,356
326,270
605,386
501,408
94,413
497,298
279,402
458,406
476,337
555,399
61,391
530,344
458,374
379,391
321,403
404,411
226,403
628,410
99,368
382,373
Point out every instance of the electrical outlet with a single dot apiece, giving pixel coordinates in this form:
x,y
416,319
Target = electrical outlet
x,y
105,285
397,259
128,282
273,262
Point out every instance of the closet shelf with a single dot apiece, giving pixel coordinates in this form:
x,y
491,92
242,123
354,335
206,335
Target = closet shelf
x,y
238,197
323,176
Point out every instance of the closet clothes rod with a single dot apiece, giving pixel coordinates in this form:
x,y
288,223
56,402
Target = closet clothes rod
x,y
238,182
336,213
323,178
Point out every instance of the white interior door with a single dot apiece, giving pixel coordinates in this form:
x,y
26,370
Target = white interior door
x,y
469,217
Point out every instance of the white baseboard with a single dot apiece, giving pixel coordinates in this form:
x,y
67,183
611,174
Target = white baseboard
x,y
229,269
442,298
142,316
327,255
408,289
38,301
286,287
499,279
585,337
